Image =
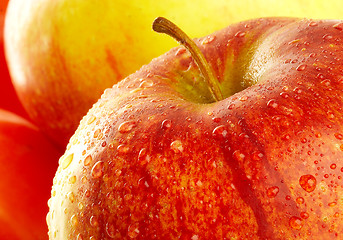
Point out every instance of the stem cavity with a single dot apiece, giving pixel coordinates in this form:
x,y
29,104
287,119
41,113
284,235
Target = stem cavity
x,y
163,25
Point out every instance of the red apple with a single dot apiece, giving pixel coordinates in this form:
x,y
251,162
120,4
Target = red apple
x,y
28,162
8,97
163,156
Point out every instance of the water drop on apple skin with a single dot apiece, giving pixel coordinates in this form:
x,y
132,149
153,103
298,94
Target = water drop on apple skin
x,y
308,182
272,191
296,223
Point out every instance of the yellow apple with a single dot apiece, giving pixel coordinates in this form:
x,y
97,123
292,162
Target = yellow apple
x,y
62,54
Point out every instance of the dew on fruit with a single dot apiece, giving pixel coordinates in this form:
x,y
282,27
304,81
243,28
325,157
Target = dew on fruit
x,y
338,26
339,136
97,170
98,134
133,230
146,83
195,237
110,230
240,34
73,220
300,200
326,82
313,24
301,67
72,179
87,160
332,204
220,132
79,237
308,182
66,161
122,148
208,40
126,126
91,119
272,191
304,215
295,223
333,166
272,103
327,37
93,221
71,197
176,146
166,124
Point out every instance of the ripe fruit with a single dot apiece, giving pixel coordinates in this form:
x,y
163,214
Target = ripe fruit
x,y
80,48
8,97
27,165
61,68
158,158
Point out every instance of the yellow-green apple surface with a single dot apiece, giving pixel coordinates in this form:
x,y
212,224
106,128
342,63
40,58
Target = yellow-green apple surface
x,y
28,161
62,54
242,142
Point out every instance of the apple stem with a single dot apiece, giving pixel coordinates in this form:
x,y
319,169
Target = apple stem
x,y
163,25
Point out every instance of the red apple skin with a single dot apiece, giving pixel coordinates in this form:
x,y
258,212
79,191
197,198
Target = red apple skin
x,y
153,160
28,162
8,97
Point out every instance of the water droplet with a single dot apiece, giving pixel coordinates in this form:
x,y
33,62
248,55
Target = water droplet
x,y
339,136
71,197
240,34
272,103
87,160
220,132
304,215
97,133
272,191
79,237
231,106
72,180
122,148
238,155
257,156
126,126
91,119
332,204
208,39
97,170
295,223
284,95
74,220
300,200
338,26
308,182
326,82
66,161
146,83
93,221
166,124
176,146
195,237
181,50
313,24
243,98
133,230
110,230
333,166
301,67
327,37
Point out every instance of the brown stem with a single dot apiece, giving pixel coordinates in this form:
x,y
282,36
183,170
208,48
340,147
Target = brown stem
x,y
163,25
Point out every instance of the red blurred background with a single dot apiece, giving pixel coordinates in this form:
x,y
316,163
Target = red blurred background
x,y
8,96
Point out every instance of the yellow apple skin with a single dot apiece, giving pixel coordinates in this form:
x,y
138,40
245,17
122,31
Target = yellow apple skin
x,y
62,54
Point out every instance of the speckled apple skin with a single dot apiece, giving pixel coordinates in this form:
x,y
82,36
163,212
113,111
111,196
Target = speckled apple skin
x,y
156,158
